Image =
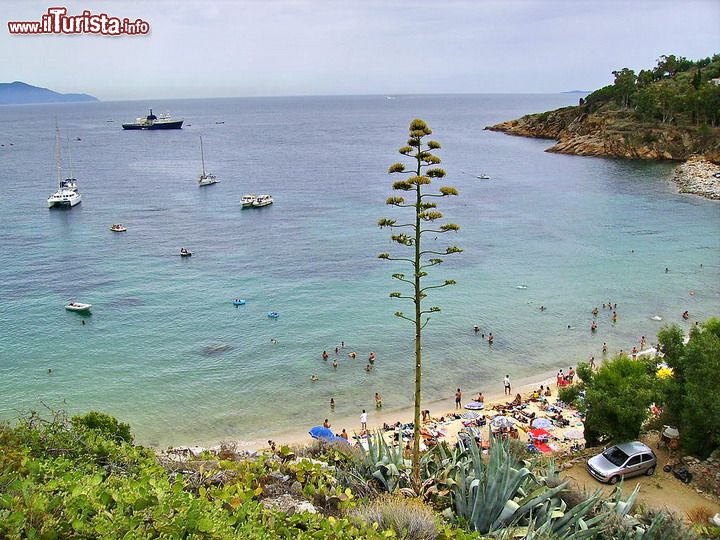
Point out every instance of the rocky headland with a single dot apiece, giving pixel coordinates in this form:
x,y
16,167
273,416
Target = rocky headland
x,y
614,134
617,134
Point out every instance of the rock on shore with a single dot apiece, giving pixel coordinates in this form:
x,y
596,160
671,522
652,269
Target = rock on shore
x,y
697,176
614,134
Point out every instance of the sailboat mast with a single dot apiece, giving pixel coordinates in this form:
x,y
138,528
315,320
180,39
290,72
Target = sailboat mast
x,y
58,157
202,156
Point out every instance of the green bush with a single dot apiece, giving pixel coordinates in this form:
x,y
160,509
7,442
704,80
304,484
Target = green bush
x,y
106,425
617,400
569,394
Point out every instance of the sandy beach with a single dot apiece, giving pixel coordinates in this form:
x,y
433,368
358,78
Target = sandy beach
x,y
386,415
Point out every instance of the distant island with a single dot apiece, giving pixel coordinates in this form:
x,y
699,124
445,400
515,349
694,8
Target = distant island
x,y
19,93
669,112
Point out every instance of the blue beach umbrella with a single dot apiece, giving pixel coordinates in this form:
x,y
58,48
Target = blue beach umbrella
x,y
320,432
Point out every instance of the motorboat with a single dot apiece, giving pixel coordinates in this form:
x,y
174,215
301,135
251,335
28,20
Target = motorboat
x,y
165,121
263,200
484,177
78,307
185,253
273,314
67,194
248,201
206,178
118,228
239,302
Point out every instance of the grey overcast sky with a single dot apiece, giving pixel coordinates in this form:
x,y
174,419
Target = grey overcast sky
x,y
204,48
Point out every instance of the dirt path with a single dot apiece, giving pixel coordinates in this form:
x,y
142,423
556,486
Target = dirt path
x,y
661,491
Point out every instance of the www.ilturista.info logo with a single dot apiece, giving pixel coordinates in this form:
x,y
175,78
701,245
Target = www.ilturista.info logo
x,y
57,21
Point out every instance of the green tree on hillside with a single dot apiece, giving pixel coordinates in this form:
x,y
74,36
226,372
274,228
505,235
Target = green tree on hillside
x,y
690,396
424,221
625,80
618,397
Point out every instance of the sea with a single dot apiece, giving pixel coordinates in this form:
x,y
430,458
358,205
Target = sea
x,y
166,350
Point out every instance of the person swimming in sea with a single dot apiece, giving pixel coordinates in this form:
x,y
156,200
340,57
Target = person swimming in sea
x,y
314,378
371,358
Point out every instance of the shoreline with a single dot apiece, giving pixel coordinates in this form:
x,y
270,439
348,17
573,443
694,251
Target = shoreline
x,y
696,176
376,417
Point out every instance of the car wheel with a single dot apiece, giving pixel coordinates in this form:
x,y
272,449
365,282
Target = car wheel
x,y
667,468
613,480
650,471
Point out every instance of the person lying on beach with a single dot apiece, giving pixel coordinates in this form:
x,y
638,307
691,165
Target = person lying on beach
x,y
517,400
344,434
326,424
480,398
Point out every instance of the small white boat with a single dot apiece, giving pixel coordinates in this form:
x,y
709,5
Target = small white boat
x,y
185,253
484,177
79,307
118,228
206,178
248,200
263,200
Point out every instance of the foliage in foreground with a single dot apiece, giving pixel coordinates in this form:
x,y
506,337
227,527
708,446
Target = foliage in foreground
x,y
61,479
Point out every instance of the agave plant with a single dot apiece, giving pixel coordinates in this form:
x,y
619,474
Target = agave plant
x,y
386,464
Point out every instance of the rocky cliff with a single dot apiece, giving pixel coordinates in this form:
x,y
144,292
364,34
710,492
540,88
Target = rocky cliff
x,y
613,133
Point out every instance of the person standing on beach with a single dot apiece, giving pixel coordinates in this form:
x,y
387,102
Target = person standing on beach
x,y
363,420
506,381
458,399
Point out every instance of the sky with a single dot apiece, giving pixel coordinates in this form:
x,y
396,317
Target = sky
x,y
206,48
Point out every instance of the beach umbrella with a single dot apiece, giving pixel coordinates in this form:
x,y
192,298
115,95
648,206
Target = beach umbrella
x,y
502,422
541,423
320,432
574,434
470,415
475,406
539,434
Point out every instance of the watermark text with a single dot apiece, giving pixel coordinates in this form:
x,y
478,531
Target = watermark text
x,y
57,21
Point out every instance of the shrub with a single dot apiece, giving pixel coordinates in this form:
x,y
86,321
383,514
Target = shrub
x,y
569,394
617,400
410,519
106,425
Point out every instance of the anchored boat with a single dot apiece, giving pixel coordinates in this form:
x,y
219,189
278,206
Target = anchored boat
x,y
153,122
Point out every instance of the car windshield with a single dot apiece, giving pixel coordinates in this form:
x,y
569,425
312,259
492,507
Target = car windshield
x,y
615,456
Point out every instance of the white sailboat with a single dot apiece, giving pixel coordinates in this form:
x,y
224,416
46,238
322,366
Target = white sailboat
x,y
205,179
67,194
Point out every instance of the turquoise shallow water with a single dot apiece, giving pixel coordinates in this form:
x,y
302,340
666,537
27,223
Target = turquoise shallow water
x,y
166,350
